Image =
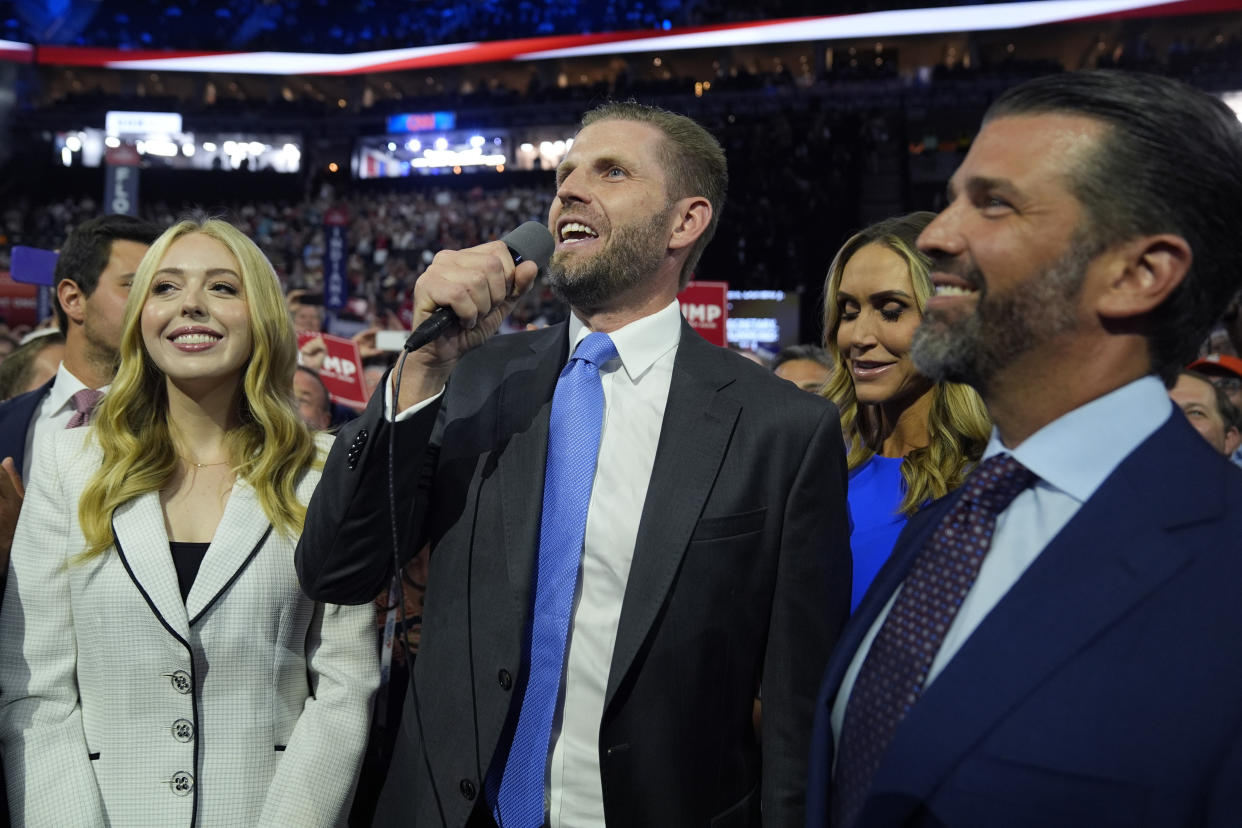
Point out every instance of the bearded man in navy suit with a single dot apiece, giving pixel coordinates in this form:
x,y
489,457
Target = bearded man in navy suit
x,y
1080,669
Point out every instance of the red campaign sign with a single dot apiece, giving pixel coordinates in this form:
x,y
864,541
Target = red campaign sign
x,y
19,303
706,307
339,365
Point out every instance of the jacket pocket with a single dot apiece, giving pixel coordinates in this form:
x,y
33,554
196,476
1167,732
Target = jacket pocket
x,y
1036,795
728,526
742,814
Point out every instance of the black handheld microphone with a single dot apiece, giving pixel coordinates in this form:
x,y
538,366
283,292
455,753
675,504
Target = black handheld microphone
x,y
529,241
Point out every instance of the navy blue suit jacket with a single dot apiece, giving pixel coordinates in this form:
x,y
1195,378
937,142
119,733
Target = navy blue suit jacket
x,y
1104,689
15,417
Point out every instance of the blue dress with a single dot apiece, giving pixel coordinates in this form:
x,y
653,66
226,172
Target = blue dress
x,y
875,493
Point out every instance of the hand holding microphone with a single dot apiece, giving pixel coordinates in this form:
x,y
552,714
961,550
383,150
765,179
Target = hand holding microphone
x,y
529,242
461,299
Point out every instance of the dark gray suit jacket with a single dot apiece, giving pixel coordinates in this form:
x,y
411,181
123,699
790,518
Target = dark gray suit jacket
x,y
740,578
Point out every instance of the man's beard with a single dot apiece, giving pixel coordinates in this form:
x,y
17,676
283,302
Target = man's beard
x,y
976,349
633,252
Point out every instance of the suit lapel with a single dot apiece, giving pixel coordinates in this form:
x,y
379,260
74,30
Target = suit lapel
x,y
525,404
886,582
698,424
142,543
242,530
1113,554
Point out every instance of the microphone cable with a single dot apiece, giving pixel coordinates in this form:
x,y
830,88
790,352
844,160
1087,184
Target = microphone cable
x,y
529,241
398,574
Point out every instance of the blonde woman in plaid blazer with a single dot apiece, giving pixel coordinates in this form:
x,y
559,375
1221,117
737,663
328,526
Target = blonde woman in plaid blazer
x,y
135,691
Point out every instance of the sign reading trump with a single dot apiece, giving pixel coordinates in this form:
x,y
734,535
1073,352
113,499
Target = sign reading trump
x,y
706,307
338,364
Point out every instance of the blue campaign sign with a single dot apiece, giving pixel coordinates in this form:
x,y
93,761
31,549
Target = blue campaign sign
x,y
33,265
336,254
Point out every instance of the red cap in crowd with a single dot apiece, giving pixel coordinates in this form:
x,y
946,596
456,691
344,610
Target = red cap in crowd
x,y
1221,362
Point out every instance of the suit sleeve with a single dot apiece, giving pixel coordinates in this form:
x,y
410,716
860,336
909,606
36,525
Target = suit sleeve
x,y
1223,802
46,761
314,783
809,608
345,554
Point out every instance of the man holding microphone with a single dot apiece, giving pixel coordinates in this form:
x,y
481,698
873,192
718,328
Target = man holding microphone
x,y
631,530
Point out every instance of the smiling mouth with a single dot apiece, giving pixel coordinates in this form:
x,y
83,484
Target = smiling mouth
x,y
195,339
946,285
954,290
574,232
867,370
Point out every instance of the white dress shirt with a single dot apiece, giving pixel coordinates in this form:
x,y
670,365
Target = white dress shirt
x,y
636,387
53,414
1072,456
635,393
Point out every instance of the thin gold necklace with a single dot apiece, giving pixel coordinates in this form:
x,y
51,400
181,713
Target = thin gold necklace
x,y
205,465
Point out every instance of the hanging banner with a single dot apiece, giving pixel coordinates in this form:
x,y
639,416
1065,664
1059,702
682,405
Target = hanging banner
x,y
121,180
335,256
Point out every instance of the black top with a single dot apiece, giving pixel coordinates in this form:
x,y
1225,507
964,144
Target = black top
x,y
187,557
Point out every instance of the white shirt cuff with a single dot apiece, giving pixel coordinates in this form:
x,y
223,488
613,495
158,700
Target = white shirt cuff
x,y
409,412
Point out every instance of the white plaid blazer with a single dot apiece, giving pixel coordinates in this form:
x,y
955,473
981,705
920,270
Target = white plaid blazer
x,y
122,705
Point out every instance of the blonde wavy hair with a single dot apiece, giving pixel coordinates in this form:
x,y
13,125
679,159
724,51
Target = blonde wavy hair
x,y
958,426
271,447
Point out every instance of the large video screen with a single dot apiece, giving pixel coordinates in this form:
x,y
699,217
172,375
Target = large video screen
x,y
763,320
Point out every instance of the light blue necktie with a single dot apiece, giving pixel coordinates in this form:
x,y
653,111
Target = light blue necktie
x,y
573,447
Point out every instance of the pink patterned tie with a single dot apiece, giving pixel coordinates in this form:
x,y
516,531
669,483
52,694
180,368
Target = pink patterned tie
x,y
895,669
83,403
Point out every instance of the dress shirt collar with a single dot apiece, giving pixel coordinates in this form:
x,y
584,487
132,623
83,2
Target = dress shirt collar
x,y
640,343
65,386
1079,450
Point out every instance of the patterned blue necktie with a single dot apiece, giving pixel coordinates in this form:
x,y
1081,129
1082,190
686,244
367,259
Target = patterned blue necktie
x,y
895,668
574,429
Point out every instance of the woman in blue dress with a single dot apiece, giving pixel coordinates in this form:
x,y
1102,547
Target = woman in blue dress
x,y
910,440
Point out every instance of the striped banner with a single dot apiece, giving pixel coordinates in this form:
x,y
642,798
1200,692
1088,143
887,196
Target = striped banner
x,y
940,20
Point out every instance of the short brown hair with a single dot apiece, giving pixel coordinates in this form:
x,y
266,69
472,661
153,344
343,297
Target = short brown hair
x,y
87,249
692,157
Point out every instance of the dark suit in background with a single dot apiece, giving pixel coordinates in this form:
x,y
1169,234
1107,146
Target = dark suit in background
x,y
16,417
740,578
1084,621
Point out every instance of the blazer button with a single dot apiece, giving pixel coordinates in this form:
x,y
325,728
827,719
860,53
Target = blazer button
x,y
468,790
182,730
182,783
506,680
355,448
181,682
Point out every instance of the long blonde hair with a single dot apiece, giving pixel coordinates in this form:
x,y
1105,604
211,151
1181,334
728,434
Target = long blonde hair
x,y
958,425
271,447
